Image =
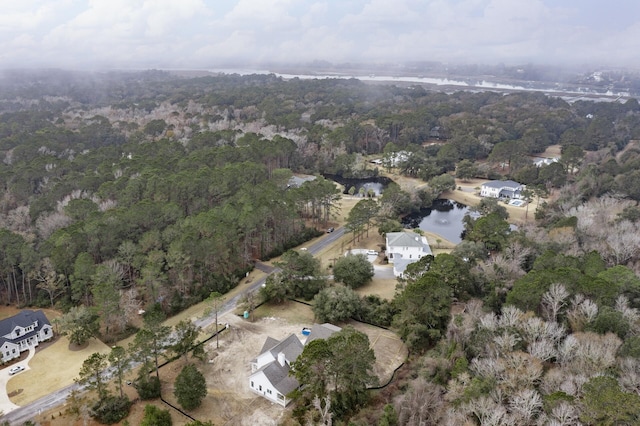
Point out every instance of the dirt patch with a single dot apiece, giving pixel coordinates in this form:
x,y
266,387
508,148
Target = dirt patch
x,y
227,369
552,151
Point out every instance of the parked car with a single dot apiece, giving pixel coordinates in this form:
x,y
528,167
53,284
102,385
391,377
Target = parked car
x,y
330,230
372,252
15,370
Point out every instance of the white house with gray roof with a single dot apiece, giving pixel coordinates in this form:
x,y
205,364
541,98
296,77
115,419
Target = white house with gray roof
x,y
502,189
22,331
404,248
270,370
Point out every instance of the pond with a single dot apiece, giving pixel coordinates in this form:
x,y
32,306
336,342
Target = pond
x,y
444,218
376,183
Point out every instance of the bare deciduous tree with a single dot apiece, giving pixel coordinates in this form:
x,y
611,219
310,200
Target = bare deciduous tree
x,y
49,281
630,374
582,312
422,404
326,416
47,225
589,353
553,300
630,314
487,411
511,316
130,303
525,404
564,414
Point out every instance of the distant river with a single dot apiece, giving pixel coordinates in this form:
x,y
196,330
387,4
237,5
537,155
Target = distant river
x,y
571,94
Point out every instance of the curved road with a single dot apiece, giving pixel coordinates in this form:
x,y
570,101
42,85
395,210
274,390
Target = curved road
x,y
58,397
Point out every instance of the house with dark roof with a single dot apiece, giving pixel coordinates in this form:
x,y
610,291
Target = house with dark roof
x,y
501,189
22,331
270,369
404,248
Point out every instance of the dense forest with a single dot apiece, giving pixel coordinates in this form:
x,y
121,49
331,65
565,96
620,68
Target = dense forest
x,y
125,190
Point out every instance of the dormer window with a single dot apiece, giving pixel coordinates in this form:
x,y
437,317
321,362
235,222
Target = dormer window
x,y
18,331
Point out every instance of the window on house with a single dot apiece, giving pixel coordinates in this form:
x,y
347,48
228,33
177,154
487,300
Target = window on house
x,y
260,387
17,332
8,353
269,391
252,384
13,351
46,331
281,397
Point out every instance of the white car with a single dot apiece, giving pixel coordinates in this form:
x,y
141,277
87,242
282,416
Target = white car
x,y
372,252
15,370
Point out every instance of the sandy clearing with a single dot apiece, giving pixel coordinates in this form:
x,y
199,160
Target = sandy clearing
x,y
230,401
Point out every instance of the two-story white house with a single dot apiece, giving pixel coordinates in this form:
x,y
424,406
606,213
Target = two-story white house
x,y
270,370
502,189
404,248
21,331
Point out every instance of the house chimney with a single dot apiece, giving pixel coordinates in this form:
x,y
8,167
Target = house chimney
x,y
281,358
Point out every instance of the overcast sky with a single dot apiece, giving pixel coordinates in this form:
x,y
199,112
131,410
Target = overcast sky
x,y
215,33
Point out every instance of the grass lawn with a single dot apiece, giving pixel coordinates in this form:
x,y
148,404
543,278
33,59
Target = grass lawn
x,y
53,367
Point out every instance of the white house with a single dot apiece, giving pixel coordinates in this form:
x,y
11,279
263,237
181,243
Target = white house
x,y
21,331
542,161
392,159
404,248
501,189
270,370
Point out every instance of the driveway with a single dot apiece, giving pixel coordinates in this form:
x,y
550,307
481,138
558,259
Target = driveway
x,y
384,272
5,403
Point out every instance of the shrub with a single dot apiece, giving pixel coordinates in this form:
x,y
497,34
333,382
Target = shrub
x,y
148,387
190,387
154,416
111,409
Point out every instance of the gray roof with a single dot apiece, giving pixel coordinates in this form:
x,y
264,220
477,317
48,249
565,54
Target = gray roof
x,y
403,239
400,264
22,319
278,376
291,347
268,344
322,331
502,184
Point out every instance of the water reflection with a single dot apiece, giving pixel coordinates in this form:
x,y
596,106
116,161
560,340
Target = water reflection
x,y
376,184
444,218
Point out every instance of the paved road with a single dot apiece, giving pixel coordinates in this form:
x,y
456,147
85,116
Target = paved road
x,y
57,398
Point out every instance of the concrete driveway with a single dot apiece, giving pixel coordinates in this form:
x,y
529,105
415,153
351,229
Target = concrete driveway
x,y
5,403
384,272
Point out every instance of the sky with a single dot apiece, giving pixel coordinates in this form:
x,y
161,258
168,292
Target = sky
x,y
212,34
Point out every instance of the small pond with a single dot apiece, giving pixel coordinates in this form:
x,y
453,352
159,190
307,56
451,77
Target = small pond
x,y
444,218
376,183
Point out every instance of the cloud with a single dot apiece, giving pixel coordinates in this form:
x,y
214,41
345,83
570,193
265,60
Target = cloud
x,y
207,33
